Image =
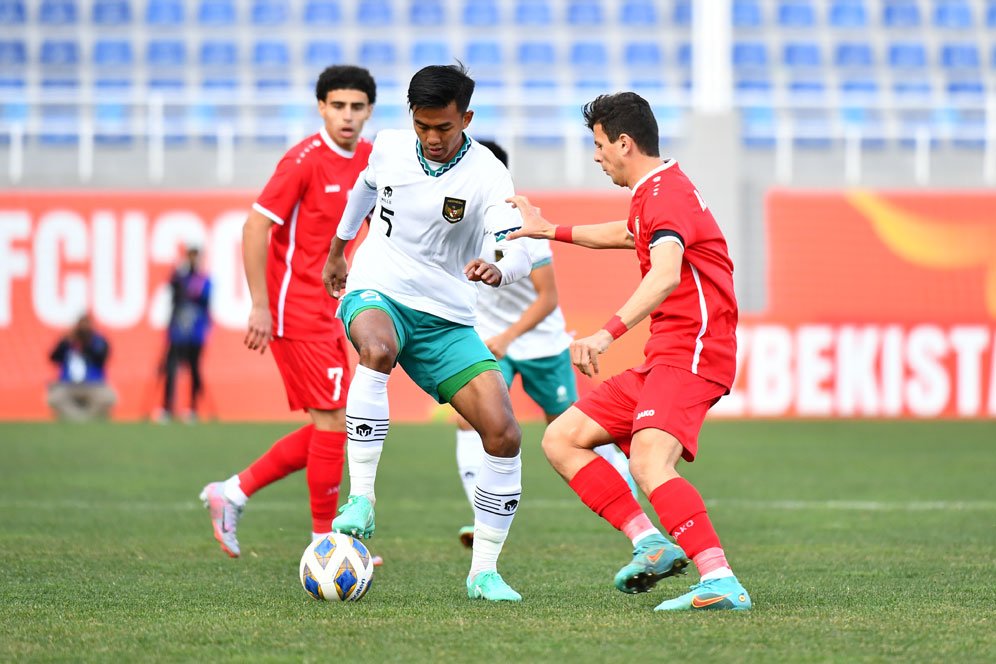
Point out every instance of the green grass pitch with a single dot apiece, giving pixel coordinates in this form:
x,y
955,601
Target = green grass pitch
x,y
859,541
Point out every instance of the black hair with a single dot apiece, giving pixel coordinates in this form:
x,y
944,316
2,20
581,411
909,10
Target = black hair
x,y
625,113
346,77
497,150
437,86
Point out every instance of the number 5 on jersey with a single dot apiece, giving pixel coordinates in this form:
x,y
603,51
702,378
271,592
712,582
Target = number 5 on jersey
x,y
386,215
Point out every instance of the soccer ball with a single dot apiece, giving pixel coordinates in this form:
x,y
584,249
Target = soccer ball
x,y
336,567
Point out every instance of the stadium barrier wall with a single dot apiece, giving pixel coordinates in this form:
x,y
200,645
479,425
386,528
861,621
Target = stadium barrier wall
x,y
880,304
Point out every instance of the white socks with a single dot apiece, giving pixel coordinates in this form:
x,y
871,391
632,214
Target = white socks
x,y
367,420
469,457
496,498
233,491
614,456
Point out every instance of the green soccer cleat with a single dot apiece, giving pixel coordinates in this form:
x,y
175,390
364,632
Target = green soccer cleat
x,y
490,586
467,536
355,518
712,595
654,558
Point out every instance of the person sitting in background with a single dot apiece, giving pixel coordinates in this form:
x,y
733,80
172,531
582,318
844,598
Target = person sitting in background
x,y
188,327
81,392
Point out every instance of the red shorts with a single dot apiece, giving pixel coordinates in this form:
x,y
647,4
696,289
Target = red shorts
x,y
316,373
666,398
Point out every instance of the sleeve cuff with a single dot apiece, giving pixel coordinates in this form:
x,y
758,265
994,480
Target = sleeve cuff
x,y
266,213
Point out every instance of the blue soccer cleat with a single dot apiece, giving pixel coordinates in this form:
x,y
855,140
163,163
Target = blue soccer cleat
x,y
654,558
355,518
712,595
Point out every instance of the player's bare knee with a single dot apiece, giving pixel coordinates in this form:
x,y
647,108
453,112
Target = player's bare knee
x,y
378,356
556,441
504,440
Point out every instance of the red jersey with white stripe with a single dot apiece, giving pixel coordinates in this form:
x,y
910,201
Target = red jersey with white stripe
x,y
305,197
695,327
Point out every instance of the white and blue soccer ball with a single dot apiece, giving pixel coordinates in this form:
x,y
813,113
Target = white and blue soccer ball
x,y
336,568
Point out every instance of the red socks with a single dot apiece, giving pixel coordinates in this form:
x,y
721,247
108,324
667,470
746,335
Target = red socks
x,y
325,461
682,512
289,454
602,488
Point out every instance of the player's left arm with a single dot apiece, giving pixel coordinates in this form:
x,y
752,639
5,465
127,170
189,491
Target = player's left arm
x,y
660,281
544,304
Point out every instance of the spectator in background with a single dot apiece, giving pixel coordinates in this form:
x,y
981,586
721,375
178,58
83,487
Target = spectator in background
x,y
188,326
81,393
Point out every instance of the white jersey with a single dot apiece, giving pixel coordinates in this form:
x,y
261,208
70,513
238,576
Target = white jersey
x,y
429,222
499,308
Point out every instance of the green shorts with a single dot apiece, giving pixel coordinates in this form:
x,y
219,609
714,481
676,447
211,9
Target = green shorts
x,y
549,381
439,355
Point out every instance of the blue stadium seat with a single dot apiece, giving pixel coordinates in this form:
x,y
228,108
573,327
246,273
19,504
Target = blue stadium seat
x,y
216,13
863,89
535,13
60,121
953,14
642,55
378,53
481,13
430,52
681,17
585,13
59,53
426,13
111,12
901,14
907,55
913,90
319,54
165,13
683,55
589,55
270,53
270,12
802,54
13,54
858,109
747,14
750,55
991,14
796,14
536,53
483,53
638,13
164,53
12,12
992,57
967,90
14,107
854,55
113,53
322,12
111,114
960,56
758,123
848,14
374,13
219,53
58,12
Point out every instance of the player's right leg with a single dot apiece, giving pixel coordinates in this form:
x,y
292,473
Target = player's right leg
x,y
376,329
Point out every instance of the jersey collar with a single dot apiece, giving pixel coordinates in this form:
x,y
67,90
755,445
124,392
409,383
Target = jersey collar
x,y
436,172
668,163
335,146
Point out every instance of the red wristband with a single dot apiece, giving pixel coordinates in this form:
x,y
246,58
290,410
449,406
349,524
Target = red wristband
x,y
615,327
564,234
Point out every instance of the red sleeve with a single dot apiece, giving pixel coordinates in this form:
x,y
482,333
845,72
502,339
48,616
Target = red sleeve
x,y
283,191
673,214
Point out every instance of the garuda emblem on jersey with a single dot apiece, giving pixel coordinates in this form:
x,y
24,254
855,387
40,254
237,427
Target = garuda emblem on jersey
x,y
453,209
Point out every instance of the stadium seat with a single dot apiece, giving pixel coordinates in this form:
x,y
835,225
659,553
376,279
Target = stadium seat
x,y
858,99
750,55
58,12
953,14
683,55
378,53
907,55
12,12
534,13
585,13
532,54
426,13
912,91
991,14
848,14
992,57
164,53
483,53
796,14
747,14
59,120
901,14
322,12
270,53
757,114
13,54
13,102
59,53
802,54
111,12
589,55
216,13
481,13
270,12
681,17
165,13
113,53
646,55
854,55
319,54
112,113
374,13
426,52
638,13
967,90
960,56
218,53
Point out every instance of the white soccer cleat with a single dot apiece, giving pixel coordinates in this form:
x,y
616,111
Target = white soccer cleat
x,y
224,517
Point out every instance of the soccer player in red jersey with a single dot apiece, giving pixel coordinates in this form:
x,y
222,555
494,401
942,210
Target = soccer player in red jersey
x,y
285,242
654,411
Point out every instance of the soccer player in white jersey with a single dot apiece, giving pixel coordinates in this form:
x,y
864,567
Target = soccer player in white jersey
x,y
522,325
435,194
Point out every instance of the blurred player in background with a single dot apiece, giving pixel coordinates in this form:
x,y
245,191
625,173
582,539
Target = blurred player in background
x,y
435,193
523,327
653,412
189,321
285,241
